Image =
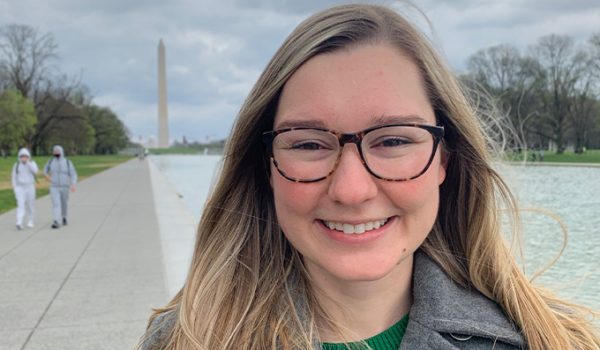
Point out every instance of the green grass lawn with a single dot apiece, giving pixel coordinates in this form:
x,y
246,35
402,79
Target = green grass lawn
x,y
86,166
590,156
173,150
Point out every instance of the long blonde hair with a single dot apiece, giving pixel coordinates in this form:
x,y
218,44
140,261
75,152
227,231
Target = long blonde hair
x,y
247,289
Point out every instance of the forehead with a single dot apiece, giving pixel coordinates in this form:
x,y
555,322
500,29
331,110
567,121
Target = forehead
x,y
352,89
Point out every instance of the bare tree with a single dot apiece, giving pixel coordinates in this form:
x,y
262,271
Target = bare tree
x,y
496,67
26,58
49,108
594,135
561,65
595,49
513,82
584,113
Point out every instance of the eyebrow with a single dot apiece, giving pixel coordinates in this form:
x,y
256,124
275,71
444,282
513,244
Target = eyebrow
x,y
377,121
306,123
400,119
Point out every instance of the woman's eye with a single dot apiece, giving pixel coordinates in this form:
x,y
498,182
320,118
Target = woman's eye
x,y
392,142
308,145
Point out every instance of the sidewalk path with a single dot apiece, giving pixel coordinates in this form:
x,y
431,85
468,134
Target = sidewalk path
x,y
91,284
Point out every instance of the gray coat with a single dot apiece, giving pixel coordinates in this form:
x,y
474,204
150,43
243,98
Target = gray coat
x,y
443,316
61,171
446,316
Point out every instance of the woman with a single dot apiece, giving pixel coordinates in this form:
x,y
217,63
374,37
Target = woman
x,y
357,207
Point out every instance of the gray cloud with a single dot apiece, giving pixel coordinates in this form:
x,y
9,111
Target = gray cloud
x,y
288,6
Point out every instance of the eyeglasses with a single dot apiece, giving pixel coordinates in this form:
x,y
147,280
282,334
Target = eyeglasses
x,y
398,152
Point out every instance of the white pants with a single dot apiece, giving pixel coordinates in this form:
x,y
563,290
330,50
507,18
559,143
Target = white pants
x,y
60,200
25,196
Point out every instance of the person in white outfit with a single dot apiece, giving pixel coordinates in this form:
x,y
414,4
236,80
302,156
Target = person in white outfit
x,y
63,177
23,181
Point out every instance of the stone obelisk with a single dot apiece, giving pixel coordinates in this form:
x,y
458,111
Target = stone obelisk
x,y
163,118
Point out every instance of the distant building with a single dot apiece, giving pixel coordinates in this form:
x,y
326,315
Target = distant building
x,y
163,117
149,142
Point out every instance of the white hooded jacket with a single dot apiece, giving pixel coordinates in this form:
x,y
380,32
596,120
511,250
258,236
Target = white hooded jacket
x,y
60,170
24,174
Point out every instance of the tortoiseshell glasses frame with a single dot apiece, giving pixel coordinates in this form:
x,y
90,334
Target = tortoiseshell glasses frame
x,y
393,141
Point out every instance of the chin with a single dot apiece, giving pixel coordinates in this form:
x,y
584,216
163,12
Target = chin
x,y
374,270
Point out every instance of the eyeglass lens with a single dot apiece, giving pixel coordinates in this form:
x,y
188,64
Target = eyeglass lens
x,y
393,152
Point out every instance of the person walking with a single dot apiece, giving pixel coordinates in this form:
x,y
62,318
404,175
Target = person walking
x,y
62,176
23,182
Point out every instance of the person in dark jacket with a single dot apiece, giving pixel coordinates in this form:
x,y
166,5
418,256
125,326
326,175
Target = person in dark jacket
x,y
63,177
358,208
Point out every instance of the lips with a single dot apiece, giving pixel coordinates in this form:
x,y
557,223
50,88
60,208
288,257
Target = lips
x,y
359,228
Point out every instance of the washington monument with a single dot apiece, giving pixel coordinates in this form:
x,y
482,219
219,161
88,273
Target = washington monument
x,y
163,117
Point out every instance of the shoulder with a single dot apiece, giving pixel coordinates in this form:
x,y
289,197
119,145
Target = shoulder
x,y
444,312
158,331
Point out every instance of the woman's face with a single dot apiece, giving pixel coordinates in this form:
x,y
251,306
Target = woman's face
x,y
349,91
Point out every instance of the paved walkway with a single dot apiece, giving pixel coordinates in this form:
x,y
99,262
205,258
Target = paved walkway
x,y
92,284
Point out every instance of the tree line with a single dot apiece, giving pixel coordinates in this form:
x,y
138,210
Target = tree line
x,y
40,106
548,94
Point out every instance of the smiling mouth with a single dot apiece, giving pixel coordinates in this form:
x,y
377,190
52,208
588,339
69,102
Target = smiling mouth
x,y
357,229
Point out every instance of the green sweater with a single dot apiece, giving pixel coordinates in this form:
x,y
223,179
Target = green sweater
x,y
389,339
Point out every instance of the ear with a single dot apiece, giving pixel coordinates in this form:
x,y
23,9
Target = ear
x,y
269,172
443,166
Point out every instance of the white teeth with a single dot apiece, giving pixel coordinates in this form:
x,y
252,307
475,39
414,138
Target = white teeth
x,y
355,229
348,228
360,228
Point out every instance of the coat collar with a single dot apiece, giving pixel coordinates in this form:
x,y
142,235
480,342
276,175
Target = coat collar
x,y
441,305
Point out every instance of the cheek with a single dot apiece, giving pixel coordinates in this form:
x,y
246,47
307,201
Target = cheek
x,y
293,199
419,196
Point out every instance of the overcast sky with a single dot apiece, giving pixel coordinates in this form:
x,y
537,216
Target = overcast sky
x,y
217,48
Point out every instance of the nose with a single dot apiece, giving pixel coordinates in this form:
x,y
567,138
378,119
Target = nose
x,y
351,183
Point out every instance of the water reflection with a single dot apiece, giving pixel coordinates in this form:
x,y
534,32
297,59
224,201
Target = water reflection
x,y
573,193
